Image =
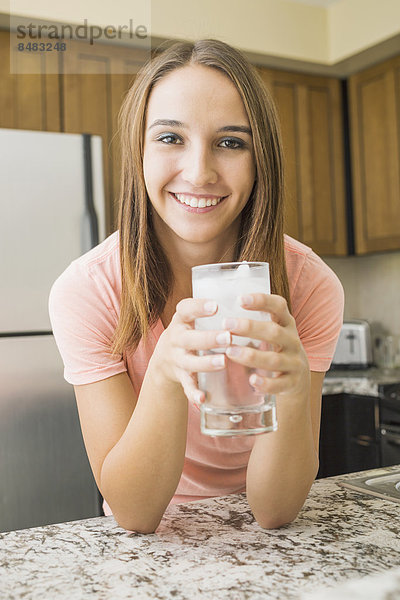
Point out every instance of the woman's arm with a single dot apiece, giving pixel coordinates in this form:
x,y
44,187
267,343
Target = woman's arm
x,y
283,464
136,447
141,471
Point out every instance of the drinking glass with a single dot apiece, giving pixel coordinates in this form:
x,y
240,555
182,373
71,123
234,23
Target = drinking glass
x,y
232,406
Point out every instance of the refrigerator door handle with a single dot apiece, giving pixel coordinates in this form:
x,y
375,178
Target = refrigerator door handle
x,y
89,224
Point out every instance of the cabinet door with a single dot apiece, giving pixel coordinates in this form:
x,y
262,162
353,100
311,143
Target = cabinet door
x,y
362,429
30,96
362,417
349,436
92,98
332,437
310,110
374,105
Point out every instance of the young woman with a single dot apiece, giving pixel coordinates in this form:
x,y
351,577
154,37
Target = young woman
x,y
202,182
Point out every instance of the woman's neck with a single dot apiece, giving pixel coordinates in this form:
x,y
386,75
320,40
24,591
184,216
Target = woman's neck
x,y
183,255
188,255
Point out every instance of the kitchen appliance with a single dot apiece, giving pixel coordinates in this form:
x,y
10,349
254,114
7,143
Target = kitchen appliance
x,y
52,199
353,349
387,351
390,423
360,431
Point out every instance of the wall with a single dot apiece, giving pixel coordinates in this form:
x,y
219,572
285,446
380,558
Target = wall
x,y
280,28
372,287
355,25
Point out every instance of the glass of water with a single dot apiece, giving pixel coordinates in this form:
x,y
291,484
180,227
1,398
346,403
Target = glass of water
x,y
232,407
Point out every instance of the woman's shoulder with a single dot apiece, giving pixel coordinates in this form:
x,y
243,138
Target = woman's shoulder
x,y
311,280
84,304
100,257
295,250
301,259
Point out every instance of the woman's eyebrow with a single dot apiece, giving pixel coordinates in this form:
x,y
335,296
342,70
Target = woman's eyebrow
x,y
174,123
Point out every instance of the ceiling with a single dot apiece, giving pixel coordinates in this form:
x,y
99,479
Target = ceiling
x,y
323,3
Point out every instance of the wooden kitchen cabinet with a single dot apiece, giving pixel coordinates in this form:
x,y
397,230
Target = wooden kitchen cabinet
x,y
374,110
94,85
28,100
310,111
87,94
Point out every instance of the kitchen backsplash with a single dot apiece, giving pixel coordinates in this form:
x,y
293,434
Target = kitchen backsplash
x,y
372,288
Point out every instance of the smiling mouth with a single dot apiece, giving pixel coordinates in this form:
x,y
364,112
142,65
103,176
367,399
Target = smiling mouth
x,y
197,202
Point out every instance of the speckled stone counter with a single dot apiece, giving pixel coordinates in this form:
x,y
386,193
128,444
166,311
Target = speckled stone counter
x,y
210,549
383,586
363,383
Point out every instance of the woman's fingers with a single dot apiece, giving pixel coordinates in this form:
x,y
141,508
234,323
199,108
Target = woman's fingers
x,y
190,388
198,364
267,331
273,304
277,363
193,339
270,385
260,359
189,309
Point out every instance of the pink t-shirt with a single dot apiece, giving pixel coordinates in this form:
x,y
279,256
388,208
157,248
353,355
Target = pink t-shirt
x,y
84,306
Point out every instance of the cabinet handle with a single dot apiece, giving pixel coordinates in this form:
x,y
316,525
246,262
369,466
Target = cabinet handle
x,y
365,438
393,439
363,442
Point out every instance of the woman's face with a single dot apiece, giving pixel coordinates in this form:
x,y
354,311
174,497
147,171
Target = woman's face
x,y
198,155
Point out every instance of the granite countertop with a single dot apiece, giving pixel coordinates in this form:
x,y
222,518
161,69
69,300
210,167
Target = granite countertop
x,y
363,382
383,586
212,549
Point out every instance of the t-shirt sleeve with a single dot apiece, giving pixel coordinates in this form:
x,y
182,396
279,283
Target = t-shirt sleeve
x,y
83,322
317,306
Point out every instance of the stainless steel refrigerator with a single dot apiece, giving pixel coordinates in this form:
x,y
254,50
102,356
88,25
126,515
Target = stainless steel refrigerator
x,y
52,211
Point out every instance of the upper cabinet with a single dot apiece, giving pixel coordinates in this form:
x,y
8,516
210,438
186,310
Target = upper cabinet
x,y
94,85
310,111
86,95
28,101
374,106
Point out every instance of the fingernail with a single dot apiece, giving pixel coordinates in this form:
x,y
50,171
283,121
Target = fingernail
x,y
255,380
246,300
234,351
224,338
210,306
218,360
229,323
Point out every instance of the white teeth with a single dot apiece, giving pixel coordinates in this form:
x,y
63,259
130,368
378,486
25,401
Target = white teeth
x,y
197,202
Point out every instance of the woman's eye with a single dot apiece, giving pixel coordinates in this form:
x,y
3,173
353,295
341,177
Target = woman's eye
x,y
228,143
232,143
168,138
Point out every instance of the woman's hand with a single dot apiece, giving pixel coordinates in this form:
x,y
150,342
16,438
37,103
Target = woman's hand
x,y
177,347
286,358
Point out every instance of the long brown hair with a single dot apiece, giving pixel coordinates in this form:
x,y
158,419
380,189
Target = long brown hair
x,y
145,270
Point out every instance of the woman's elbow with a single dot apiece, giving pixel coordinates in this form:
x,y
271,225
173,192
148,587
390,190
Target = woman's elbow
x,y
274,521
137,525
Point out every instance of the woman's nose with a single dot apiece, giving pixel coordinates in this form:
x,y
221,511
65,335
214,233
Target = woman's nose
x,y
199,167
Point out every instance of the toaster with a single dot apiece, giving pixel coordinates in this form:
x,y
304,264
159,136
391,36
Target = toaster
x,y
354,348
